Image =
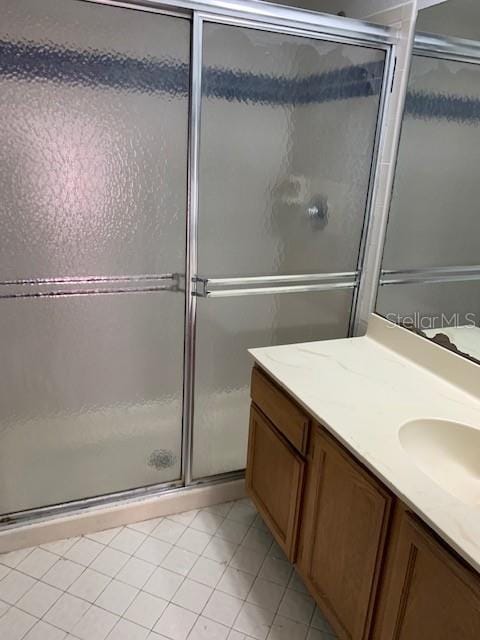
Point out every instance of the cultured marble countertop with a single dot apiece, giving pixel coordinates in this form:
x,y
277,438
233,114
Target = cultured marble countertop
x,y
364,389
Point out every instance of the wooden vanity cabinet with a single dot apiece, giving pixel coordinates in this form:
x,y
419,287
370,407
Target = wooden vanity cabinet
x,y
275,464
375,571
428,593
342,538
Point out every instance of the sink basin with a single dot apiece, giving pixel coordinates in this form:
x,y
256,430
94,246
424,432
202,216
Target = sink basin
x,y
447,452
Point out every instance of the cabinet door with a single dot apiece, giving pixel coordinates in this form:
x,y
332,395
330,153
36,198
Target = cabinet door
x,y
274,480
343,528
429,594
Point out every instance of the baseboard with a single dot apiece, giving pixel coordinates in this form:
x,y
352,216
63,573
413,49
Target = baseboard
x,y
120,513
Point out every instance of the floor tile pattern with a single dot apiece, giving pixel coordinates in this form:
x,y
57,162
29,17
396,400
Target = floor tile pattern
x,y
208,574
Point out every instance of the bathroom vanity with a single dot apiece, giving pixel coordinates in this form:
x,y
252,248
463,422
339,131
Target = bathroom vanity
x,y
358,484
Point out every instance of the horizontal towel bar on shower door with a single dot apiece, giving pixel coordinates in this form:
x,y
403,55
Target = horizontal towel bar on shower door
x,y
90,285
269,285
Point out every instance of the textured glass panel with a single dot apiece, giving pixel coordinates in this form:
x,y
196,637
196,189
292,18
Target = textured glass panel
x,y
226,328
93,397
93,103
288,124
434,217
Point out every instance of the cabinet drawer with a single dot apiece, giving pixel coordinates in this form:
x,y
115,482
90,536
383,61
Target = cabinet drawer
x,y
288,418
274,480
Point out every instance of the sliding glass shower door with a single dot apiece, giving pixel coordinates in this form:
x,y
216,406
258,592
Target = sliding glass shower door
x,y
288,126
93,178
164,207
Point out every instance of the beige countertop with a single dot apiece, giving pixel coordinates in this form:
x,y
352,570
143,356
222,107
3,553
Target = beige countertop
x,y
364,389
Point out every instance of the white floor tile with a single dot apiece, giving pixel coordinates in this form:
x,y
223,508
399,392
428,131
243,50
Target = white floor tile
x,y
96,624
254,621
296,583
193,540
258,523
195,574
221,509
44,631
145,610
297,606
153,550
104,537
168,531
126,630
319,622
247,560
89,585
146,526
286,629
277,552
185,517
66,612
136,572
63,574
175,622
232,531
236,635
110,561
192,595
206,629
163,583
14,558
116,597
318,634
220,550
14,585
60,547
179,560
37,563
84,551
127,540
15,624
206,571
257,540
222,608
266,594
206,522
236,583
276,570
39,599
243,511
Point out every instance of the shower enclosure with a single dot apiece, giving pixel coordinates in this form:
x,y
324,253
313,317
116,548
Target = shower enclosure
x,y
180,181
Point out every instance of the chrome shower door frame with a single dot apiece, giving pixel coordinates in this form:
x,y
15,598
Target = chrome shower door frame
x,y
288,22
257,15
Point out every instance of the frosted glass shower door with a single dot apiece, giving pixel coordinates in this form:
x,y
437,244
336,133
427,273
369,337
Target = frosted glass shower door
x,y
93,157
287,134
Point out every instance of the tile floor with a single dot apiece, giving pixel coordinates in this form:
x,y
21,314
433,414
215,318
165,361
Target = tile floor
x,y
208,574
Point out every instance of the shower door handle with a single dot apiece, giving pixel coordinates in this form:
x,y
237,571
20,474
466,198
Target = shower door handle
x,y
205,287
